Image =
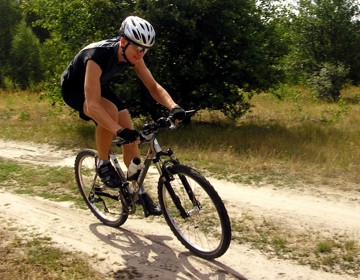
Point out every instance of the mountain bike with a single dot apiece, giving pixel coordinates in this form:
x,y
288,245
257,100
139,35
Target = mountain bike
x,y
191,206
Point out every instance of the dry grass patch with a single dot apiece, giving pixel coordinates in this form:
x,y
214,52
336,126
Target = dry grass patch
x,y
320,249
34,257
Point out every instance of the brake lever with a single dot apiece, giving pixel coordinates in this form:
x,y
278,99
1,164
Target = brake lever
x,y
172,124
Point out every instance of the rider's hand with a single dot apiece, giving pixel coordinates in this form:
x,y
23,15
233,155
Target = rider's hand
x,y
177,114
127,134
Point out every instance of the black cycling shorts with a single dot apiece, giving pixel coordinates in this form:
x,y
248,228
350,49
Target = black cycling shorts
x,y
75,98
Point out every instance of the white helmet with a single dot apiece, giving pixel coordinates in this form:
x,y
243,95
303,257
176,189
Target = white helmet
x,y
138,30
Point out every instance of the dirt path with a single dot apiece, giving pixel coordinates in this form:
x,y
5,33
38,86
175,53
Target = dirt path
x,y
146,248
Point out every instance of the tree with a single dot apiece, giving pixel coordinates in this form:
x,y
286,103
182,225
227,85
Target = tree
x,y
72,25
326,32
10,15
25,57
211,54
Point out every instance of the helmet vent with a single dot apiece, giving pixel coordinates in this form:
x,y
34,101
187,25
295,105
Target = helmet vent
x,y
136,35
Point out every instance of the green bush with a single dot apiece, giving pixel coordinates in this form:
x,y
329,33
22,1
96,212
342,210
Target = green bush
x,y
329,80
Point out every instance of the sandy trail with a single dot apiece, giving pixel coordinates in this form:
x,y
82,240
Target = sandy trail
x,y
146,248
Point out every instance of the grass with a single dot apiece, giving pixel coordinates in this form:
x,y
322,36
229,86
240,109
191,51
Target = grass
x,y
302,142
291,143
35,257
336,253
27,117
54,183
298,140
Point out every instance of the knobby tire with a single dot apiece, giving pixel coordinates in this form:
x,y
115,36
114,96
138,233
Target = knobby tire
x,y
103,202
206,232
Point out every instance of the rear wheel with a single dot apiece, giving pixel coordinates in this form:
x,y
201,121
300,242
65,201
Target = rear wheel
x,y
103,202
195,212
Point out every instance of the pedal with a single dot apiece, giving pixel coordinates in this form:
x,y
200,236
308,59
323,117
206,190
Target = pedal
x,y
126,198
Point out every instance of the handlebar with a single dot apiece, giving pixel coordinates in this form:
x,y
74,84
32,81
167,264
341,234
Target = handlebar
x,y
149,129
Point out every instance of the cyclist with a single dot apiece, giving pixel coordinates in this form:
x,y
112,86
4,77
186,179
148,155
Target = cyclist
x,y
85,88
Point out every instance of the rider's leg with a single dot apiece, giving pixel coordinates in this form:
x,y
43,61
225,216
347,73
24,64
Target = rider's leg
x,y
103,137
130,150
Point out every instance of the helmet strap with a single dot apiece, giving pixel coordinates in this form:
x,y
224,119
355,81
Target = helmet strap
x,y
123,49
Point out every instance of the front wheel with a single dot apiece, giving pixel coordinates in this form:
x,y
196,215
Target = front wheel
x,y
195,212
103,202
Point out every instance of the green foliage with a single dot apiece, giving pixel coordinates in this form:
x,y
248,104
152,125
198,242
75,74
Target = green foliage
x,y
329,81
194,57
72,25
25,57
10,15
210,54
325,31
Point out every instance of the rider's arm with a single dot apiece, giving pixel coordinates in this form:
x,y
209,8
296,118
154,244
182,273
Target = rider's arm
x,y
156,90
93,102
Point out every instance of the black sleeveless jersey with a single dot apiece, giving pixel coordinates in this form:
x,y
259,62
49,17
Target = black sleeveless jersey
x,y
104,53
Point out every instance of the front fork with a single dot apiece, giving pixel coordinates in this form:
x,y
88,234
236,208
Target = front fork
x,y
167,176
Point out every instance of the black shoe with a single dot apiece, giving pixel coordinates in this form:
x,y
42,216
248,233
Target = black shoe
x,y
108,175
150,207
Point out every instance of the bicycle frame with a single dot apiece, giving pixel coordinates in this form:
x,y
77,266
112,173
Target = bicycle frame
x,y
117,165
154,153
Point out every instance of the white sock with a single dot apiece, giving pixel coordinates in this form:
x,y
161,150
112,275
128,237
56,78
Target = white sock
x,y
101,162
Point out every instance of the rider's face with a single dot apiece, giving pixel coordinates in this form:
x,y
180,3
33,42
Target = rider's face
x,y
133,52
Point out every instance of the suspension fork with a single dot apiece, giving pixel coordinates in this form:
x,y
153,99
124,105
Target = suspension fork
x,y
189,191
154,153
166,169
167,182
